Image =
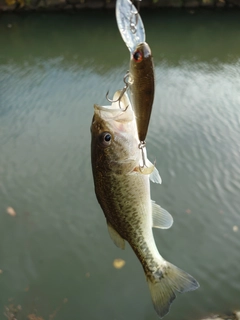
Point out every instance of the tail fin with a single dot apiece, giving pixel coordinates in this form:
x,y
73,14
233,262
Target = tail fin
x,y
163,284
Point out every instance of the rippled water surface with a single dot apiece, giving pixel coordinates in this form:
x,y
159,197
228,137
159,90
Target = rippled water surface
x,y
56,257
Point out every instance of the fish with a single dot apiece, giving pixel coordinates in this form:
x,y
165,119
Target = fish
x,y
141,69
122,188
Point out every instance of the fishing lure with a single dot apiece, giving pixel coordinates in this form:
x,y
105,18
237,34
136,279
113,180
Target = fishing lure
x,y
141,72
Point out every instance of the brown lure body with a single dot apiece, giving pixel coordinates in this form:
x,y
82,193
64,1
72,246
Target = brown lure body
x,y
142,87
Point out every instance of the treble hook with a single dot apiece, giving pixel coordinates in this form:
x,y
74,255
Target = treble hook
x,y
142,145
122,93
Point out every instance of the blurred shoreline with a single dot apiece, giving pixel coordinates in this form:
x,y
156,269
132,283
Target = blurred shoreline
x,y
66,5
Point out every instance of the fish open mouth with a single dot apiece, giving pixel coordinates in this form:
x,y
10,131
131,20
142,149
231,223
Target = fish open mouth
x,y
120,110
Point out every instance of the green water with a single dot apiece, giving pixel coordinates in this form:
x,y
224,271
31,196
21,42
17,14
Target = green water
x,y
56,254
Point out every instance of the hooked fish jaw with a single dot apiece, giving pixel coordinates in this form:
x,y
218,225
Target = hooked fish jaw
x,y
121,155
118,117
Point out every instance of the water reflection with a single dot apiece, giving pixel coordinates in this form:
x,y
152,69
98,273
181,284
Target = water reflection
x,y
91,38
57,246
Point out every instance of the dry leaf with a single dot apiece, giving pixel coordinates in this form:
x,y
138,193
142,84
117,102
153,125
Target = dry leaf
x,y
11,211
10,2
1,271
87,275
235,228
65,300
118,263
188,211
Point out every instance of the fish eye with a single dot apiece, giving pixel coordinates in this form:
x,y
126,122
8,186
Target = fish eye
x,y
137,56
105,139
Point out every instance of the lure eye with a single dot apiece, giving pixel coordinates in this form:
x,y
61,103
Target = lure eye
x,y
105,139
137,56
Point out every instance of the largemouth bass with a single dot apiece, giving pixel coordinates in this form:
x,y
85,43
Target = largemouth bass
x,y
123,191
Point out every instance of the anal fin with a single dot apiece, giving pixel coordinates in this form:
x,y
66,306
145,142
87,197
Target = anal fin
x,y
115,236
160,217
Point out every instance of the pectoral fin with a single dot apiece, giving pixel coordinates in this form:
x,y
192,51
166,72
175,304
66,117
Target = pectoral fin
x,y
150,170
145,170
115,236
160,217
155,176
